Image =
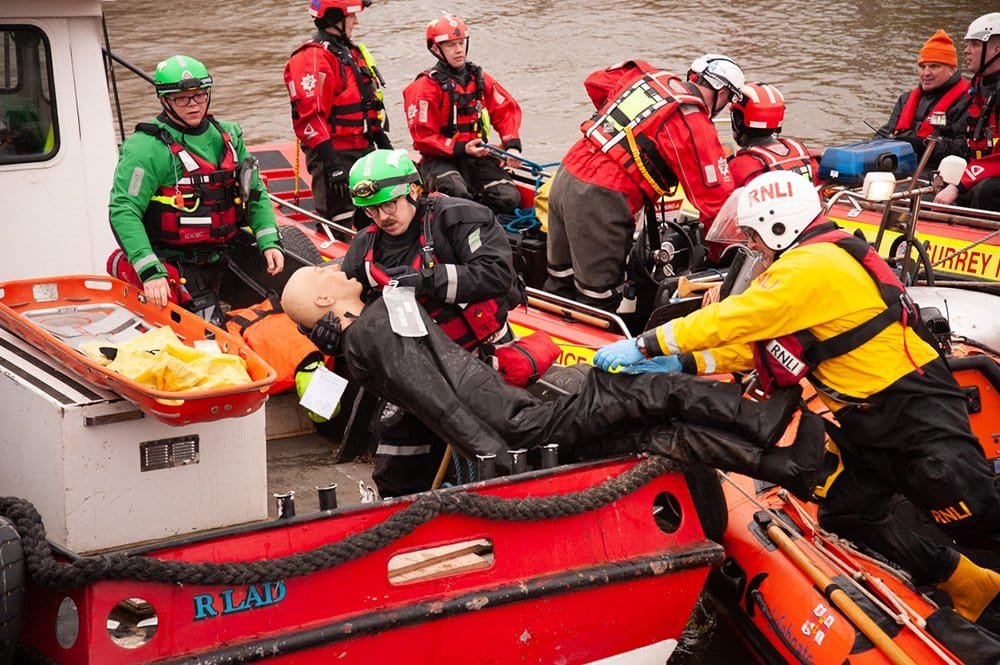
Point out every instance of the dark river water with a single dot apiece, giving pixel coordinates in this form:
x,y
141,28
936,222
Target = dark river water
x,y
838,65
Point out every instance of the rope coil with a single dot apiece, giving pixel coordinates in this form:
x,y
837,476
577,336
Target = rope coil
x,y
47,571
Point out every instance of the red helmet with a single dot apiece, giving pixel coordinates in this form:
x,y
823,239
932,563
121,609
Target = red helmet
x,y
762,106
446,28
319,8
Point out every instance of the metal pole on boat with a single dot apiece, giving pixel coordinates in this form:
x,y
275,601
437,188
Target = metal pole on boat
x,y
327,497
486,466
519,460
286,504
937,120
831,590
550,455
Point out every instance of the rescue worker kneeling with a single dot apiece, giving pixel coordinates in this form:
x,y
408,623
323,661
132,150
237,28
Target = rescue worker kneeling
x,y
457,259
829,309
467,403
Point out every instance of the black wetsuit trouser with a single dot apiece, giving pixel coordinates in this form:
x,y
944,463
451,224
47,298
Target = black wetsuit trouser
x,y
913,440
478,179
984,196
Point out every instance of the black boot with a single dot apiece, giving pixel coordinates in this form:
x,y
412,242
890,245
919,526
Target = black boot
x,y
798,467
722,406
691,444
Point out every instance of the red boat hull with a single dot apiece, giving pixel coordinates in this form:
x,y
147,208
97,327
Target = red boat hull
x,y
573,589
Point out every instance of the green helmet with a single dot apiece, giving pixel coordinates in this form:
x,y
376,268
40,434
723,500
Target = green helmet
x,y
181,72
380,176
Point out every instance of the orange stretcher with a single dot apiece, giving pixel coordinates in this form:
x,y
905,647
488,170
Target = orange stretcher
x,y
58,314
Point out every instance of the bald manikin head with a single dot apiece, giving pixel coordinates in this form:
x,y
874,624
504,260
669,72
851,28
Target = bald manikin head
x,y
313,291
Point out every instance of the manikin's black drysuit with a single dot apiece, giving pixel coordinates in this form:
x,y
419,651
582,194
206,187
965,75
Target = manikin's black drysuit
x,y
468,404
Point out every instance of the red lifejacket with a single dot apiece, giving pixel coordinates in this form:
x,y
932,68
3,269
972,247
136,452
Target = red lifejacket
x,y
784,361
909,113
984,120
357,109
640,109
467,325
465,104
784,155
202,208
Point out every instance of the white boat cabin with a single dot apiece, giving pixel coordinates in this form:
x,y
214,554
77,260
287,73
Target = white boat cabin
x,y
57,141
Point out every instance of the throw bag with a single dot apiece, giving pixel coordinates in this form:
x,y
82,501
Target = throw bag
x,y
524,361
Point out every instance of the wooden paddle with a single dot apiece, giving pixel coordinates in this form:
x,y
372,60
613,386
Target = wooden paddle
x,y
837,596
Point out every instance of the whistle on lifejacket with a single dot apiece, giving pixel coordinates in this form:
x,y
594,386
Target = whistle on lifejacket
x,y
178,203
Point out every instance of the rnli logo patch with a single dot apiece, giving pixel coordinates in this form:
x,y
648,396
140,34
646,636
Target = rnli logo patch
x,y
767,281
308,83
785,358
974,171
952,514
411,112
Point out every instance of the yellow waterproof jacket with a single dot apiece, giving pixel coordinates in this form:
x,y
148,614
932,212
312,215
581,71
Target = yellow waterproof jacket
x,y
817,287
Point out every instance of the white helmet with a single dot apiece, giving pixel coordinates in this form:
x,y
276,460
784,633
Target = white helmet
x,y
718,72
778,206
984,27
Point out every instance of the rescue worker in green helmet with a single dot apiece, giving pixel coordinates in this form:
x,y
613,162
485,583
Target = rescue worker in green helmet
x,y
184,185
456,256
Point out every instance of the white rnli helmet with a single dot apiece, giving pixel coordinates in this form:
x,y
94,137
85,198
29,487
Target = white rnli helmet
x,y
984,27
718,72
778,206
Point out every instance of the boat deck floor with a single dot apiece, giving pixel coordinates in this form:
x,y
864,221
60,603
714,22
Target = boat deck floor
x,y
300,459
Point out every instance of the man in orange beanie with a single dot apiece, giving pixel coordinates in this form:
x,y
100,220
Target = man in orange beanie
x,y
940,88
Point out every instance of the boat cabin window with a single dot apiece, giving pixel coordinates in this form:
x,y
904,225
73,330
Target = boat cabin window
x,y
28,130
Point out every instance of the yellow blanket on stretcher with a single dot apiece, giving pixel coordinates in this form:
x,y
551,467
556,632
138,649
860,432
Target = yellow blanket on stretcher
x,y
159,360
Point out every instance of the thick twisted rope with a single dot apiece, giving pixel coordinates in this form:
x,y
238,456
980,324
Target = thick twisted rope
x,y
49,572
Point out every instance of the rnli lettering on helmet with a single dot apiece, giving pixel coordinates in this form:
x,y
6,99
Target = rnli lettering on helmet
x,y
785,357
777,190
231,601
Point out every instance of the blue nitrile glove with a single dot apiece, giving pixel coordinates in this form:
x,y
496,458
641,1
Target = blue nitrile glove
x,y
613,356
659,364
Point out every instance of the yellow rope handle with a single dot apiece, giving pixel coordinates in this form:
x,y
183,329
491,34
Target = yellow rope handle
x,y
296,174
634,149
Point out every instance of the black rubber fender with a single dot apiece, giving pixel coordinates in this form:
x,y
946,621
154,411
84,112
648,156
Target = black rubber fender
x,y
12,578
